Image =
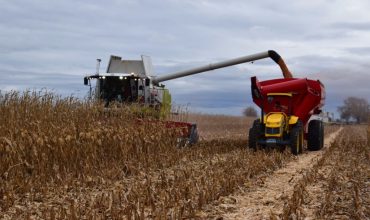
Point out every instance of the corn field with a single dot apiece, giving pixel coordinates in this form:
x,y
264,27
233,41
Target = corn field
x,y
63,158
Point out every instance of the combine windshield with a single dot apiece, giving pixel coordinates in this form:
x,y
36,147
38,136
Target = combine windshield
x,y
120,89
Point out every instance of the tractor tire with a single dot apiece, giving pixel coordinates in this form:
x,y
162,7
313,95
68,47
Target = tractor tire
x,y
254,134
296,139
315,136
252,139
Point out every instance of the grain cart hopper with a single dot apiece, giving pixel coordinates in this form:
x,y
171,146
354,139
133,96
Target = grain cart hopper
x,y
287,105
133,81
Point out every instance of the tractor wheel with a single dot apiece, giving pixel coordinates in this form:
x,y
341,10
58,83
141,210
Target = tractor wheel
x,y
315,137
254,134
301,140
296,138
252,139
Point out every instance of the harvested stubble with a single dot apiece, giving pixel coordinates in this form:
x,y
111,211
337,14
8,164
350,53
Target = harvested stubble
x,y
63,158
221,126
344,171
330,128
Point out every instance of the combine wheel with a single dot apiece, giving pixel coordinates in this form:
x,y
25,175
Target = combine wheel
x,y
315,137
254,134
182,142
194,136
296,138
191,139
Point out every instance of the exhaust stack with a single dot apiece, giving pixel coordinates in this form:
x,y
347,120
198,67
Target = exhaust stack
x,y
98,61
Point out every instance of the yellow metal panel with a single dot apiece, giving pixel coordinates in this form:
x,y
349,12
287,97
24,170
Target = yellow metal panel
x,y
273,135
274,120
166,104
293,119
280,94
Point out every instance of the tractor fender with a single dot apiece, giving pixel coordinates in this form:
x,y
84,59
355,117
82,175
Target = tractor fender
x,y
293,120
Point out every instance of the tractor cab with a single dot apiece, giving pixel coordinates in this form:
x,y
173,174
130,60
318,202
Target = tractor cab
x,y
278,114
277,125
279,102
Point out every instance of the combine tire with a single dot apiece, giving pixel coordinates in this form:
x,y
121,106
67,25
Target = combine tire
x,y
296,138
194,136
191,139
315,137
254,134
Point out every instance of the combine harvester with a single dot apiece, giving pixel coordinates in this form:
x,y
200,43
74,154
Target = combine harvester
x,y
287,104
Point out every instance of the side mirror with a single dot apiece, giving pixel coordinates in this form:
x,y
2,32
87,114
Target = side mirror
x,y
147,82
86,81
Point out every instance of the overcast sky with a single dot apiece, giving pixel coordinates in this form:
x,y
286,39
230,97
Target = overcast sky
x,y
53,44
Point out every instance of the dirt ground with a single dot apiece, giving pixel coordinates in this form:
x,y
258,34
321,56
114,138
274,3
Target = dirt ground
x,y
259,201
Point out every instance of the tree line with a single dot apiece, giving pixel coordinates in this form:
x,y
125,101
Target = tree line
x,y
354,108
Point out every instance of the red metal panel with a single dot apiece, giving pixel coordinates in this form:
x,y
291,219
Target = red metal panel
x,y
308,96
182,128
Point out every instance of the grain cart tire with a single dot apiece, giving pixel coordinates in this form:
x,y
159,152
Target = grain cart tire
x,y
315,136
254,134
296,138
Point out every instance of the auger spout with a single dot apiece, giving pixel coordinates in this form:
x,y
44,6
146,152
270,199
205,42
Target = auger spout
x,y
272,54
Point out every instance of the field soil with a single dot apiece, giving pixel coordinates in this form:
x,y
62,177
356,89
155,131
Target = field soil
x,y
259,200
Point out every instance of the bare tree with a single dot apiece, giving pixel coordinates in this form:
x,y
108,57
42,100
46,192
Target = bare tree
x,y
356,108
250,112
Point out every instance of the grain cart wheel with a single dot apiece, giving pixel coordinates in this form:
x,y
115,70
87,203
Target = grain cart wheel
x,y
254,134
315,137
296,138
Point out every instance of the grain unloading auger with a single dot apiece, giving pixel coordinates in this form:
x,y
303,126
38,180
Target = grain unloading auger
x,y
286,104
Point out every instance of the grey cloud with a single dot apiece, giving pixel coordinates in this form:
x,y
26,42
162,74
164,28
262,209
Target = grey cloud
x,y
352,25
327,35
63,84
359,50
